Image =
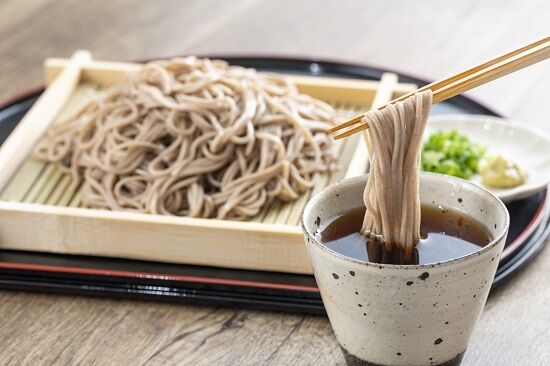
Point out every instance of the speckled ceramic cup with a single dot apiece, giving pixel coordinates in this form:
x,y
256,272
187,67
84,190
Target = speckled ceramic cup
x,y
406,315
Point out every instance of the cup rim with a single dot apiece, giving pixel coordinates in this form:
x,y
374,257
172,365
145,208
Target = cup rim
x,y
350,181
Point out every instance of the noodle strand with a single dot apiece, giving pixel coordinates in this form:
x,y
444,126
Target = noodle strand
x,y
194,137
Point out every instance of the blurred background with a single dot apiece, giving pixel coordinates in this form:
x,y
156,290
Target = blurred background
x,y
431,39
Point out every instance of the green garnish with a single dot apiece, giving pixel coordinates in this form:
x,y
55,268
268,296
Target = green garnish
x,y
451,153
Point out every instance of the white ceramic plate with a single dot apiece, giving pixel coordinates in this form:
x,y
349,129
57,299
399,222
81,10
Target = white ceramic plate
x,y
527,146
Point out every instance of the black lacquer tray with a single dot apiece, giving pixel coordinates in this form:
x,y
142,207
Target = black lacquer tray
x,y
103,276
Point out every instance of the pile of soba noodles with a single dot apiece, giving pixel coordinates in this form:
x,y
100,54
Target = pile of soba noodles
x,y
392,198
194,137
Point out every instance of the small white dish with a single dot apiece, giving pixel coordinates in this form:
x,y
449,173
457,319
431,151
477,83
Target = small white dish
x,y
528,146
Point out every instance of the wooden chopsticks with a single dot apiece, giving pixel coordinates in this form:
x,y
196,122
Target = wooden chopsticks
x,y
466,80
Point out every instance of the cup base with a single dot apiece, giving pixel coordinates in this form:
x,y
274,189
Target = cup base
x,y
352,360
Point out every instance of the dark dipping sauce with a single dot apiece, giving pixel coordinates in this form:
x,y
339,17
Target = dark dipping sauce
x,y
445,235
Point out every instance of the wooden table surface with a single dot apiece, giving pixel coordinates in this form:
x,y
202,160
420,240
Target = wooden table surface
x,y
432,41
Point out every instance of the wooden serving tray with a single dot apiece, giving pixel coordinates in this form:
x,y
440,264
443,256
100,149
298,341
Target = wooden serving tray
x,y
38,211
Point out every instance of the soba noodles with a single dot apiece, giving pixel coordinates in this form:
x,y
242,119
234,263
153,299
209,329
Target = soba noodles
x,y
194,137
391,196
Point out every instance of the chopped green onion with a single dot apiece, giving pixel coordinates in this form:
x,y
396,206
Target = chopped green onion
x,y
451,153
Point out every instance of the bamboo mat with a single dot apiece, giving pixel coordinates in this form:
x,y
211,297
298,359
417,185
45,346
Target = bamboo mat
x,y
44,183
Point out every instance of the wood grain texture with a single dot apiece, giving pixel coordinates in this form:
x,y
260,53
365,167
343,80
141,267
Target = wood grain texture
x,y
433,41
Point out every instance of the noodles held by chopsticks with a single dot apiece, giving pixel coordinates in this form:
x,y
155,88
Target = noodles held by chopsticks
x,y
194,137
391,195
